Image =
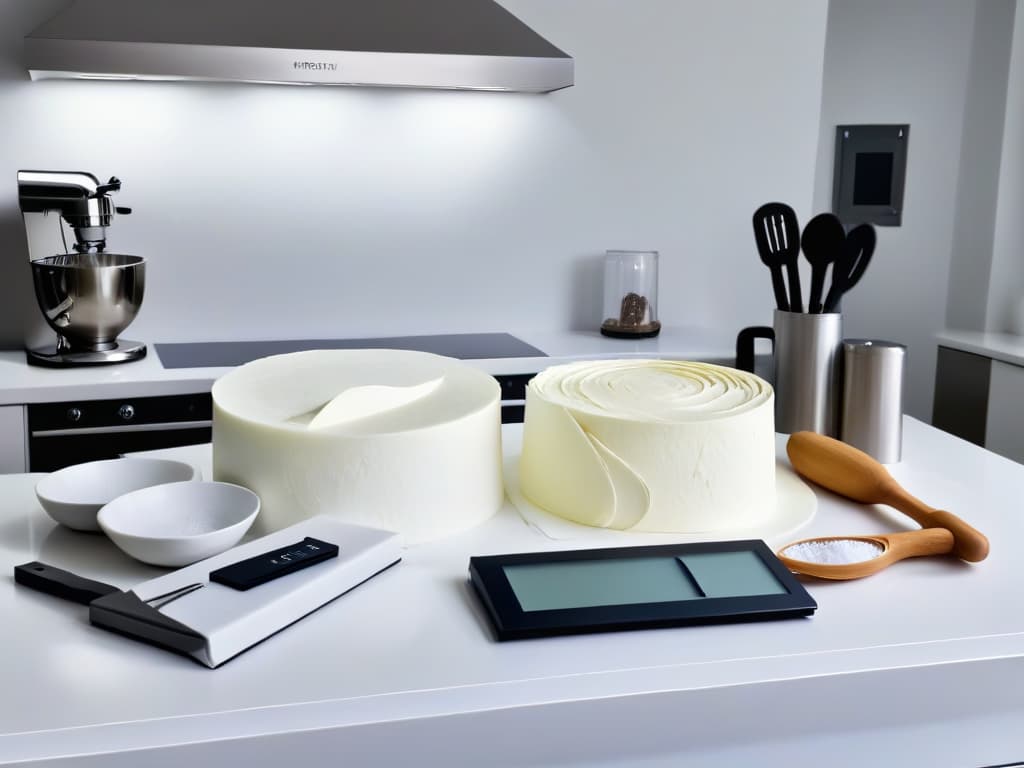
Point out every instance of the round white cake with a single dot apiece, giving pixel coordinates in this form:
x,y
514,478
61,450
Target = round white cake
x,y
650,445
406,441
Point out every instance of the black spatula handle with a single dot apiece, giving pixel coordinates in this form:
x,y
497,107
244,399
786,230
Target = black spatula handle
x,y
60,583
796,299
779,287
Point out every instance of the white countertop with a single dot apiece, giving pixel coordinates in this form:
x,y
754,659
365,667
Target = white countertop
x,y
1007,347
21,383
922,664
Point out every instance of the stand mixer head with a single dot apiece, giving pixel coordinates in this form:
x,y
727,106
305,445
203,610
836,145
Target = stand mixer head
x,y
87,295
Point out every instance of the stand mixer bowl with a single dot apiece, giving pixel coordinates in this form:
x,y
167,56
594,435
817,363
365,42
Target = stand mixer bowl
x,y
89,298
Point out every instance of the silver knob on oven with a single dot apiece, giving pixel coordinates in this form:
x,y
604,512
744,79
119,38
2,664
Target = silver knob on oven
x,y
74,414
126,412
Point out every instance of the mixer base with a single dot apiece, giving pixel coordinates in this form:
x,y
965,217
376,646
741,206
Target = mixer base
x,y
125,351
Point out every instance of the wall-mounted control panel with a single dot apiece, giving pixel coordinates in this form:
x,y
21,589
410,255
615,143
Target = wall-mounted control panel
x,y
869,175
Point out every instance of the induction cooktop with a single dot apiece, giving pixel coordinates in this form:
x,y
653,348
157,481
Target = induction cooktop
x,y
227,354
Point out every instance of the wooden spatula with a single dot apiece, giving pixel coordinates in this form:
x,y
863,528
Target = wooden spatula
x,y
852,473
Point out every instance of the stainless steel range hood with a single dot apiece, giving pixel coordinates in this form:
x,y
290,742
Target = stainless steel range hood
x,y
462,44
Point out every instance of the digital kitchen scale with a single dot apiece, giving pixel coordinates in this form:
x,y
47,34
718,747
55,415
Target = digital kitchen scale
x,y
539,594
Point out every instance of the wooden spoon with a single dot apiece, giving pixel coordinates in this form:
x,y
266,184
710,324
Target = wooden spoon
x,y
852,473
894,546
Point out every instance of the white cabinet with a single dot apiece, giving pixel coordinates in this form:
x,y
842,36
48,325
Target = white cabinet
x,y
13,439
1004,427
978,396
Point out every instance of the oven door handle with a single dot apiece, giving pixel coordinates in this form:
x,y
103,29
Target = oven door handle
x,y
124,428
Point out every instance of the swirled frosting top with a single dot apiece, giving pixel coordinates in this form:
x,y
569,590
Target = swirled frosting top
x,y
354,392
660,391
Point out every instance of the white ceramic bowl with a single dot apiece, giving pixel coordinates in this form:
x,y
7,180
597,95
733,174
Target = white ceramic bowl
x,y
72,496
179,523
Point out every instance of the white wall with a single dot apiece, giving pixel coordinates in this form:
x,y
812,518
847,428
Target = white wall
x,y
283,212
902,61
981,150
1006,284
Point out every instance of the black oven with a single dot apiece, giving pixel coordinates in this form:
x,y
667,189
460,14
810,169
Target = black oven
x,y
61,434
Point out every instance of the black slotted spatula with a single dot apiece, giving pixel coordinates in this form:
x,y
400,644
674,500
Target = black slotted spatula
x,y
777,235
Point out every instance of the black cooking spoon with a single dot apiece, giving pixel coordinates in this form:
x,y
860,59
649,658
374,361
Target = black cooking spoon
x,y
822,243
850,266
777,235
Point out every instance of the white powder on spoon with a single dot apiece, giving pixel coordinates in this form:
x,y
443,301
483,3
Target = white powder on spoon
x,y
834,552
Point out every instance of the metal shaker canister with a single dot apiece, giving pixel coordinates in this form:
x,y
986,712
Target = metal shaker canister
x,y
872,414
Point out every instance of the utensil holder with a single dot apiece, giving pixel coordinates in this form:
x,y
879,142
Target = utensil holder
x,y
807,359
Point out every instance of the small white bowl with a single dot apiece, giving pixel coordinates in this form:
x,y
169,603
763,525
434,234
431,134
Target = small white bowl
x,y
72,496
179,523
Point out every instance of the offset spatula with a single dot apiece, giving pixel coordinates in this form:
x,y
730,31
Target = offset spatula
x,y
822,243
850,266
777,234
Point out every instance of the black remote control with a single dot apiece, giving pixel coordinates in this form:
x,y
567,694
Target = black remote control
x,y
254,571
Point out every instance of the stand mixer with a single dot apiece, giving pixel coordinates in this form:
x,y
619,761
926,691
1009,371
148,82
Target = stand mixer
x,y
87,296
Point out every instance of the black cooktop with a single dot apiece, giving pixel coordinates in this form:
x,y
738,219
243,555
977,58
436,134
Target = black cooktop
x,y
227,354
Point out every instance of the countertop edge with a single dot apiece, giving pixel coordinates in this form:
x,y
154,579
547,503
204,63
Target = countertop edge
x,y
22,384
826,672
1005,347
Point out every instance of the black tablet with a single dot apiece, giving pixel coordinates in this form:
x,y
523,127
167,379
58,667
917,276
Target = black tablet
x,y
537,594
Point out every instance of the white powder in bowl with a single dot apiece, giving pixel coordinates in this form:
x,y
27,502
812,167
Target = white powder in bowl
x,y
834,552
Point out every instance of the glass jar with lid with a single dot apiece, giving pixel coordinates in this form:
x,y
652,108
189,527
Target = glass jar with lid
x,y
630,294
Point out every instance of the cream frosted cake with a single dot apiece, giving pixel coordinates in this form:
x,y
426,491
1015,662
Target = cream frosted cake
x,y
406,441
650,445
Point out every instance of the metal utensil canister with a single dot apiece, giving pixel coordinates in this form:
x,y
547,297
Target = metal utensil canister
x,y
807,359
872,414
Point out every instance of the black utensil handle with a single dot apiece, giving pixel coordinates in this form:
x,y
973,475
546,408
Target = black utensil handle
x,y
835,293
858,271
60,583
745,345
849,268
817,286
851,279
796,299
779,286
840,283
